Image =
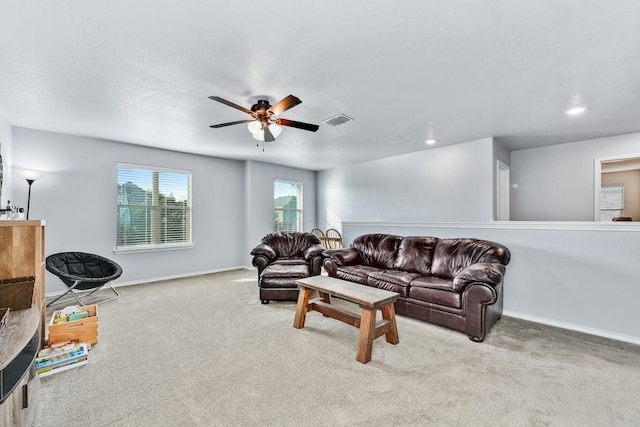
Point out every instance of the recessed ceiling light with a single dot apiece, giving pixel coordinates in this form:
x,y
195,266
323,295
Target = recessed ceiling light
x,y
430,141
574,111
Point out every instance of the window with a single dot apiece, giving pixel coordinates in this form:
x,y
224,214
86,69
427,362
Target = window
x,y
154,208
611,202
287,205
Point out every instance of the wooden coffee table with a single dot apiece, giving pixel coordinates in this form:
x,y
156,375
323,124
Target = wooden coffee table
x,y
368,298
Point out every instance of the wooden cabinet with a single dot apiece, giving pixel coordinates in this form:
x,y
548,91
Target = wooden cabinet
x,y
21,255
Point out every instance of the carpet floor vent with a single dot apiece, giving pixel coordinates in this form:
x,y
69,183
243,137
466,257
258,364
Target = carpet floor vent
x,y
338,120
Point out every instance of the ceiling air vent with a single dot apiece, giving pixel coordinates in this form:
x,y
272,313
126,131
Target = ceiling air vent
x,y
337,120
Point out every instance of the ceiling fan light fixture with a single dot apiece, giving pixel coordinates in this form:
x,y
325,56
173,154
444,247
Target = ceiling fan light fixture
x,y
254,127
259,135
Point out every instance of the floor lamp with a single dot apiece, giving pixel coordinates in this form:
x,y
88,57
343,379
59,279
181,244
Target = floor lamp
x,y
31,177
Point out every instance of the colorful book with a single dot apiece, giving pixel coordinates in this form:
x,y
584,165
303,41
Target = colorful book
x,y
51,371
60,355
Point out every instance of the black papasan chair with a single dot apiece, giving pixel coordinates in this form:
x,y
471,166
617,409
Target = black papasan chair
x,y
81,271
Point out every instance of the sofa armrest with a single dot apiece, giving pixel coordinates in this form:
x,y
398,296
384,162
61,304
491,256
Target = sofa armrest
x,y
312,251
490,273
345,256
260,262
265,250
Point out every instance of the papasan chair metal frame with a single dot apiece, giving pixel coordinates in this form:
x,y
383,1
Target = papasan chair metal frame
x,y
82,271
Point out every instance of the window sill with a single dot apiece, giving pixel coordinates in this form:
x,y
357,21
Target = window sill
x,y
152,248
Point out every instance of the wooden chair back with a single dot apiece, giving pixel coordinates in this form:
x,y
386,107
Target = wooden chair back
x,y
334,239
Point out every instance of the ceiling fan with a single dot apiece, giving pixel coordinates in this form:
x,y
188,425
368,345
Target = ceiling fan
x,y
264,125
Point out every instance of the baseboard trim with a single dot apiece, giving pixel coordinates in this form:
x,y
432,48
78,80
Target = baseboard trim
x,y
573,327
536,319
161,278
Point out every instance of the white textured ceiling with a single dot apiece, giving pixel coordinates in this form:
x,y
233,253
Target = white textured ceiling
x,y
140,71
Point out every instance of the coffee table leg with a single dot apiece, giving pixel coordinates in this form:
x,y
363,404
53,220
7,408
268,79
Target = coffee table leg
x,y
367,330
325,297
301,308
389,313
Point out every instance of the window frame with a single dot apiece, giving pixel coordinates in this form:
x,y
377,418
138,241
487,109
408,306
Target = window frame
x,y
152,247
299,208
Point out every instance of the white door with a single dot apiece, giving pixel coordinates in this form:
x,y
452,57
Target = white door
x,y
502,192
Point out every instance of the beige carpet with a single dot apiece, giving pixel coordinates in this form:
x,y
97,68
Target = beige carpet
x,y
203,351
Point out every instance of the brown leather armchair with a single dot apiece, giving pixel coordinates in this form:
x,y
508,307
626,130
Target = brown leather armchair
x,y
281,259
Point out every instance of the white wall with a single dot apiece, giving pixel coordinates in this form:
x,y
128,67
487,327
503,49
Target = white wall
x,y
580,276
259,199
452,183
556,183
77,199
6,151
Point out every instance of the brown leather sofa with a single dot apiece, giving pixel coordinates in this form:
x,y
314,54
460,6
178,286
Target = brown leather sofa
x,y
281,259
455,283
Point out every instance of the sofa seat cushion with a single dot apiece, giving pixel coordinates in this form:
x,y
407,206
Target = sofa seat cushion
x,y
355,273
433,282
283,274
284,269
392,280
436,291
279,282
290,261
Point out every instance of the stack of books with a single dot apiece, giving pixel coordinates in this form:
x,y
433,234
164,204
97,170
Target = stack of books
x,y
61,357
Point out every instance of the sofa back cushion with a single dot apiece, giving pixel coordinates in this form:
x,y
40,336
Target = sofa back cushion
x,y
290,244
415,254
377,250
453,255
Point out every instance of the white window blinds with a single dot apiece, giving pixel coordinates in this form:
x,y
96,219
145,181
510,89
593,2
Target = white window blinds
x,y
154,207
611,202
287,204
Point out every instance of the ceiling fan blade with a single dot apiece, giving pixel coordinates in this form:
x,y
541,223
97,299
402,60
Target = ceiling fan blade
x,y
284,105
299,125
268,136
231,104
237,122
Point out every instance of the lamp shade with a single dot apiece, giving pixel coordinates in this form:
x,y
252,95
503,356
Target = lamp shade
x,y
31,175
254,127
274,128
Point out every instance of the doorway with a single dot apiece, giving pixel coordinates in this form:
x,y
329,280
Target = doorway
x,y
503,180
621,174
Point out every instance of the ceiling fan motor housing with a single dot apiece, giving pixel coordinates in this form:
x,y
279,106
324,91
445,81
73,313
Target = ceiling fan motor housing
x,y
261,105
